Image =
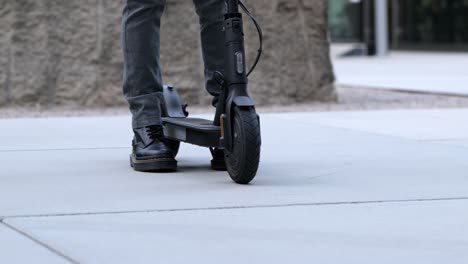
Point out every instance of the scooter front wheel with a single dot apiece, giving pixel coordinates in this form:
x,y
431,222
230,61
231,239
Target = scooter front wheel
x,y
242,162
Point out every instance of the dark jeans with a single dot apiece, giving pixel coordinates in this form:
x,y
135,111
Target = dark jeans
x,y
143,83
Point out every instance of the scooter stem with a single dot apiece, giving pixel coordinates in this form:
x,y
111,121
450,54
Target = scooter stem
x,y
234,72
232,6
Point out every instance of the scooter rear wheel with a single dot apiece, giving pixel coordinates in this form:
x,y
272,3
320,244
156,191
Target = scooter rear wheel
x,y
242,163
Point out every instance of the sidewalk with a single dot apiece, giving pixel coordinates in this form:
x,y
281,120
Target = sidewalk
x,y
350,187
433,72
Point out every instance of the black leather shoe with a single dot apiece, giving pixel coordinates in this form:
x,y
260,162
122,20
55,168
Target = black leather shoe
x,y
151,151
218,162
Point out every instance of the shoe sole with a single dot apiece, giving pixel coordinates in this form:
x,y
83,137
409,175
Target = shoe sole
x,y
153,165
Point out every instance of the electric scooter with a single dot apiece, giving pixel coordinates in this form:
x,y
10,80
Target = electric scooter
x,y
233,136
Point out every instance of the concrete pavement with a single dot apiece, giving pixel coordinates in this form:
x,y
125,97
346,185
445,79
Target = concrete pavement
x,y
432,72
353,187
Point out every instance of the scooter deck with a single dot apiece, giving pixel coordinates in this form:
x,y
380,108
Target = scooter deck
x,y
195,131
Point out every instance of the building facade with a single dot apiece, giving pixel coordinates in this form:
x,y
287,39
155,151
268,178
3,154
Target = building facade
x,y
408,24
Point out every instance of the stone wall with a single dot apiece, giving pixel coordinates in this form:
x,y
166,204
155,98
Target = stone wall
x,y
56,52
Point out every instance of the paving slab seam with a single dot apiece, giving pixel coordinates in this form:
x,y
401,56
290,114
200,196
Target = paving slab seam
x,y
443,139
237,207
59,149
372,133
39,242
446,143
403,90
357,131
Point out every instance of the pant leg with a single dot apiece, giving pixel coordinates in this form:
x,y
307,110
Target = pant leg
x,y
211,14
142,82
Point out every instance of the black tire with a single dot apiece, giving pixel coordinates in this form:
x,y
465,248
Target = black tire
x,y
174,145
242,163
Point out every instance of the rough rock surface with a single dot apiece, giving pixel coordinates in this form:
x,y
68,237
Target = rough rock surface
x,y
55,52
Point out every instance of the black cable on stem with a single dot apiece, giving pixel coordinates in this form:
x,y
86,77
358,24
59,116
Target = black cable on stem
x,y
260,36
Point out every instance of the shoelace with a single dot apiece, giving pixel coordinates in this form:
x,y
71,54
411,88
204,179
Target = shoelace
x,y
156,133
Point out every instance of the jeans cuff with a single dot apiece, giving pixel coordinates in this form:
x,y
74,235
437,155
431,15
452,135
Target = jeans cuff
x,y
147,121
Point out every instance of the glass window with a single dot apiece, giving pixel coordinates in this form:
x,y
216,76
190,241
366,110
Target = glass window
x,y
345,20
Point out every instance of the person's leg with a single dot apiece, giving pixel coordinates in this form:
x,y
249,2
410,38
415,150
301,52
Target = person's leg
x,y
142,84
211,14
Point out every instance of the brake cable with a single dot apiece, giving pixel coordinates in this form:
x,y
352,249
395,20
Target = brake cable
x,y
260,36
